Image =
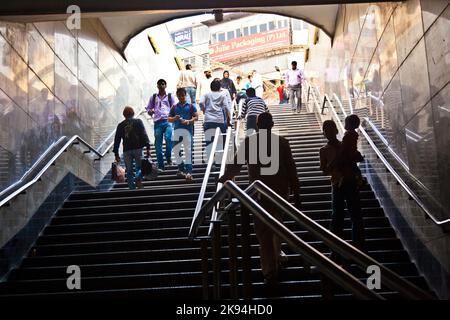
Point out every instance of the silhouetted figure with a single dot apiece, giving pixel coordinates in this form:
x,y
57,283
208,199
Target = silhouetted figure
x,y
345,190
283,182
349,155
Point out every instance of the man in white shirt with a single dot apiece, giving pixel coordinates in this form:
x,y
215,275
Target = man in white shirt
x,y
257,84
204,84
294,79
188,81
216,106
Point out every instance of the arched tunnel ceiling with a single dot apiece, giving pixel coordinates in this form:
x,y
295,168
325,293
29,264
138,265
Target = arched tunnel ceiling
x,y
122,27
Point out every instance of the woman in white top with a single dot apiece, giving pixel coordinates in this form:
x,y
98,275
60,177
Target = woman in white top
x,y
216,106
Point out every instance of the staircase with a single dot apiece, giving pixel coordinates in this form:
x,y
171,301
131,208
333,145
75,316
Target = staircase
x,y
134,243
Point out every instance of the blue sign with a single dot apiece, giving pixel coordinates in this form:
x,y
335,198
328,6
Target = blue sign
x,y
182,38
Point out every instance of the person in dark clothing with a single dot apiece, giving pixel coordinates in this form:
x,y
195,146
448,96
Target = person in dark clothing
x,y
134,136
283,181
344,189
228,84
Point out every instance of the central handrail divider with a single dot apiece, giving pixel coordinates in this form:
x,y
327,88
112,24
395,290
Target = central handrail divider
x,y
201,195
329,268
221,172
61,145
332,271
238,122
445,224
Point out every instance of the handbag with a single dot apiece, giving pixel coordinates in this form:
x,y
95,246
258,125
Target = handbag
x,y
118,172
149,169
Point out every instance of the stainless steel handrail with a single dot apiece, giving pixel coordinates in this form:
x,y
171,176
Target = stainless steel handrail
x,y
394,173
389,278
386,143
18,187
201,195
226,148
313,256
238,123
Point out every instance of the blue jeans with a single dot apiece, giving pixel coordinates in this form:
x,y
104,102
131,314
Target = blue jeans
x,y
190,94
163,130
183,137
210,130
128,157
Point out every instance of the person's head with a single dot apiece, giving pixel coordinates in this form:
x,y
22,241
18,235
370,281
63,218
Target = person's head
x,y
329,129
250,92
181,95
253,72
207,73
250,77
215,85
188,67
361,71
128,112
294,65
44,93
226,74
264,121
161,84
352,122
238,79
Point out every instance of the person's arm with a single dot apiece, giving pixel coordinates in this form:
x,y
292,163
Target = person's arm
x,y
117,139
197,93
172,117
151,106
324,165
180,80
192,120
202,103
244,110
233,169
227,107
233,90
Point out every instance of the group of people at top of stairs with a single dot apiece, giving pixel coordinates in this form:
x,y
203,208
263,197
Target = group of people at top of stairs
x,y
215,100
174,117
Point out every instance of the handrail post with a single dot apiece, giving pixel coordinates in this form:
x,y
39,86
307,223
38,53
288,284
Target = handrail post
x,y
204,263
246,253
307,95
325,99
232,245
216,246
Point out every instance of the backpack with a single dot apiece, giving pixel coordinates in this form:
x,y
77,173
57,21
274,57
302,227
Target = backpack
x,y
169,97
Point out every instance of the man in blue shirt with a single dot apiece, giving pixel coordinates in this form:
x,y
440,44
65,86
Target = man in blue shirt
x,y
183,115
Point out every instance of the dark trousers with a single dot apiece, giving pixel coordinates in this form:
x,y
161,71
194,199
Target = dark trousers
x,y
347,194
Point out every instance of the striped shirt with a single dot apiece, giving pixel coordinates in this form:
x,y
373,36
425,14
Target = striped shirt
x,y
253,107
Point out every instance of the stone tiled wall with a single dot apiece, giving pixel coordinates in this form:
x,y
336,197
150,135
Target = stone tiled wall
x,y
55,81
402,52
